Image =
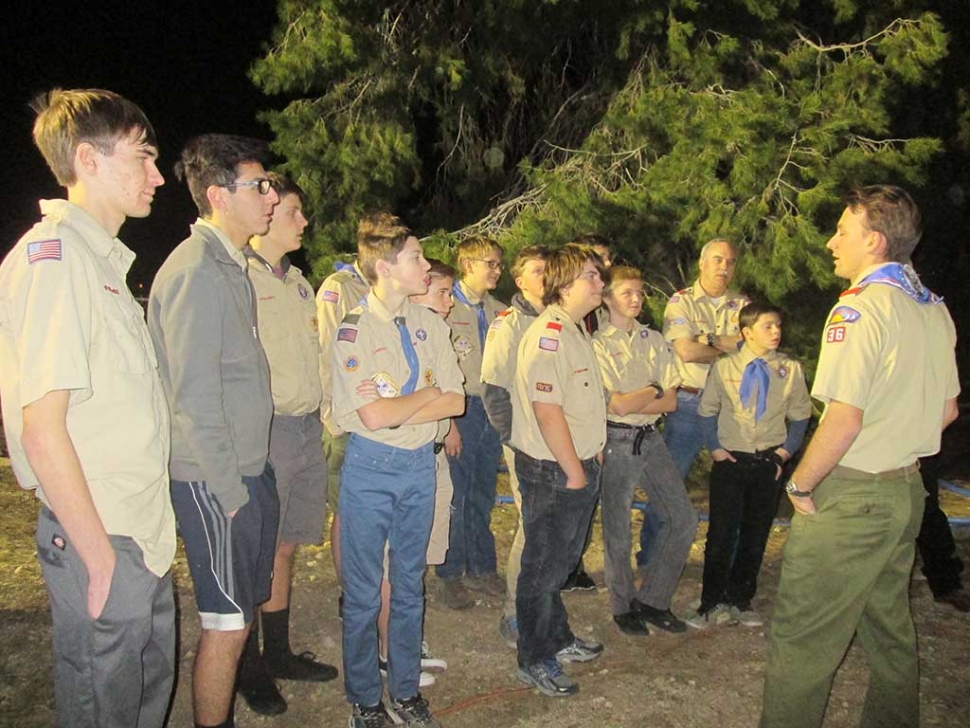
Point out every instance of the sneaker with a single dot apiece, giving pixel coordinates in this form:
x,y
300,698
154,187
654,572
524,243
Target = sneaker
x,y
662,618
579,581
429,661
454,595
303,667
631,624
508,628
747,616
374,716
259,689
425,679
413,713
580,650
491,584
704,618
547,676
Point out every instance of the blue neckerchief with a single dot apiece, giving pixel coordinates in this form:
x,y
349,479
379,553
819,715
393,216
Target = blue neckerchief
x,y
349,267
409,353
756,374
905,279
480,306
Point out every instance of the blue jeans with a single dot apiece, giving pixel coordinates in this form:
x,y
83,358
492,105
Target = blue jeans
x,y
555,520
471,545
684,439
386,497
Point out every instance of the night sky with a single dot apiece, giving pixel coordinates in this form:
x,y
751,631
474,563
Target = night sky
x,y
184,63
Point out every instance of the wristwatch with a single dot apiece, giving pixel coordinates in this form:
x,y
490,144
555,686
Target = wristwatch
x,y
712,340
792,489
660,390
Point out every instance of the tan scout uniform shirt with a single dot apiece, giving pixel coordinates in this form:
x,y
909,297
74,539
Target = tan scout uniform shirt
x,y
502,347
463,321
368,346
690,313
69,322
634,360
338,295
287,320
556,365
893,358
736,428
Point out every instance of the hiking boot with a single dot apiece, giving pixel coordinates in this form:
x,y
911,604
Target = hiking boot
x,y
413,713
547,676
661,618
491,584
580,650
704,618
747,616
374,716
429,661
631,624
508,628
304,667
579,581
425,679
454,595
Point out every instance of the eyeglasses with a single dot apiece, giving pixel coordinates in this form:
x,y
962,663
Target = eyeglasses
x,y
492,264
263,185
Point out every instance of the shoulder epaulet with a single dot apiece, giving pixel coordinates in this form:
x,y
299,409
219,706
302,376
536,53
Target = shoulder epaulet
x,y
852,291
502,314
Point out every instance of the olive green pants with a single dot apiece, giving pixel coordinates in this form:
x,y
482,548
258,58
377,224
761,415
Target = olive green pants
x,y
846,571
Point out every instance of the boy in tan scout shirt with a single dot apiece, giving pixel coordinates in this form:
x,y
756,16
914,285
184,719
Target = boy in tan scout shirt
x,y
748,397
641,379
395,376
558,433
287,323
471,561
86,419
498,376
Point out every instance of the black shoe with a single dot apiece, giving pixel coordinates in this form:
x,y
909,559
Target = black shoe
x,y
300,667
631,624
259,690
662,618
340,607
579,581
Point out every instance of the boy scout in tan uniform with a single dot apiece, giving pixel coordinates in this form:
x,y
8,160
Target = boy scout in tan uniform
x,y
287,323
558,432
86,419
887,374
395,376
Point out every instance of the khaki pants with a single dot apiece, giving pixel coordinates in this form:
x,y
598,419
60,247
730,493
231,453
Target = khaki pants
x,y
846,571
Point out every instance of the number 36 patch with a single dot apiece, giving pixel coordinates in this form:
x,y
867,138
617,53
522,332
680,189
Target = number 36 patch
x,y
835,334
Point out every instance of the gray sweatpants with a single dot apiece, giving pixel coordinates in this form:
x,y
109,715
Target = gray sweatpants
x,y
117,670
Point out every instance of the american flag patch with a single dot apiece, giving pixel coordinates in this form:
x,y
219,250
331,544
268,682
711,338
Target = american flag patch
x,y
548,344
347,335
331,296
43,250
554,326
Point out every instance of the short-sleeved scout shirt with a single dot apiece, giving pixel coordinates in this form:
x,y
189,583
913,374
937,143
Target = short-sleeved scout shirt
x,y
69,322
502,347
690,313
633,360
787,398
368,346
463,321
892,357
556,365
287,320
337,296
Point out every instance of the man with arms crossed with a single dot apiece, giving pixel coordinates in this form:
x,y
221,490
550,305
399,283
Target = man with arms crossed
x,y
202,318
887,374
87,424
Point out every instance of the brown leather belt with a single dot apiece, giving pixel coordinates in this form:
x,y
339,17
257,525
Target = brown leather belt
x,y
690,390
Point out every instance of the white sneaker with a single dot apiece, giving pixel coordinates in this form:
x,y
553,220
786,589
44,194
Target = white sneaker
x,y
718,614
748,617
425,680
429,661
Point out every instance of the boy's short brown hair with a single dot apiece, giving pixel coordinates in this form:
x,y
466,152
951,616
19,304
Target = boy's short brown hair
x,y
468,251
530,252
440,269
380,236
621,273
68,118
566,265
749,315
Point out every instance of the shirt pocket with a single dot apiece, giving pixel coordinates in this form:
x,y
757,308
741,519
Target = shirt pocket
x,y
128,339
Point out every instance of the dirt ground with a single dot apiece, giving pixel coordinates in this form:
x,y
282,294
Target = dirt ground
x,y
701,679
